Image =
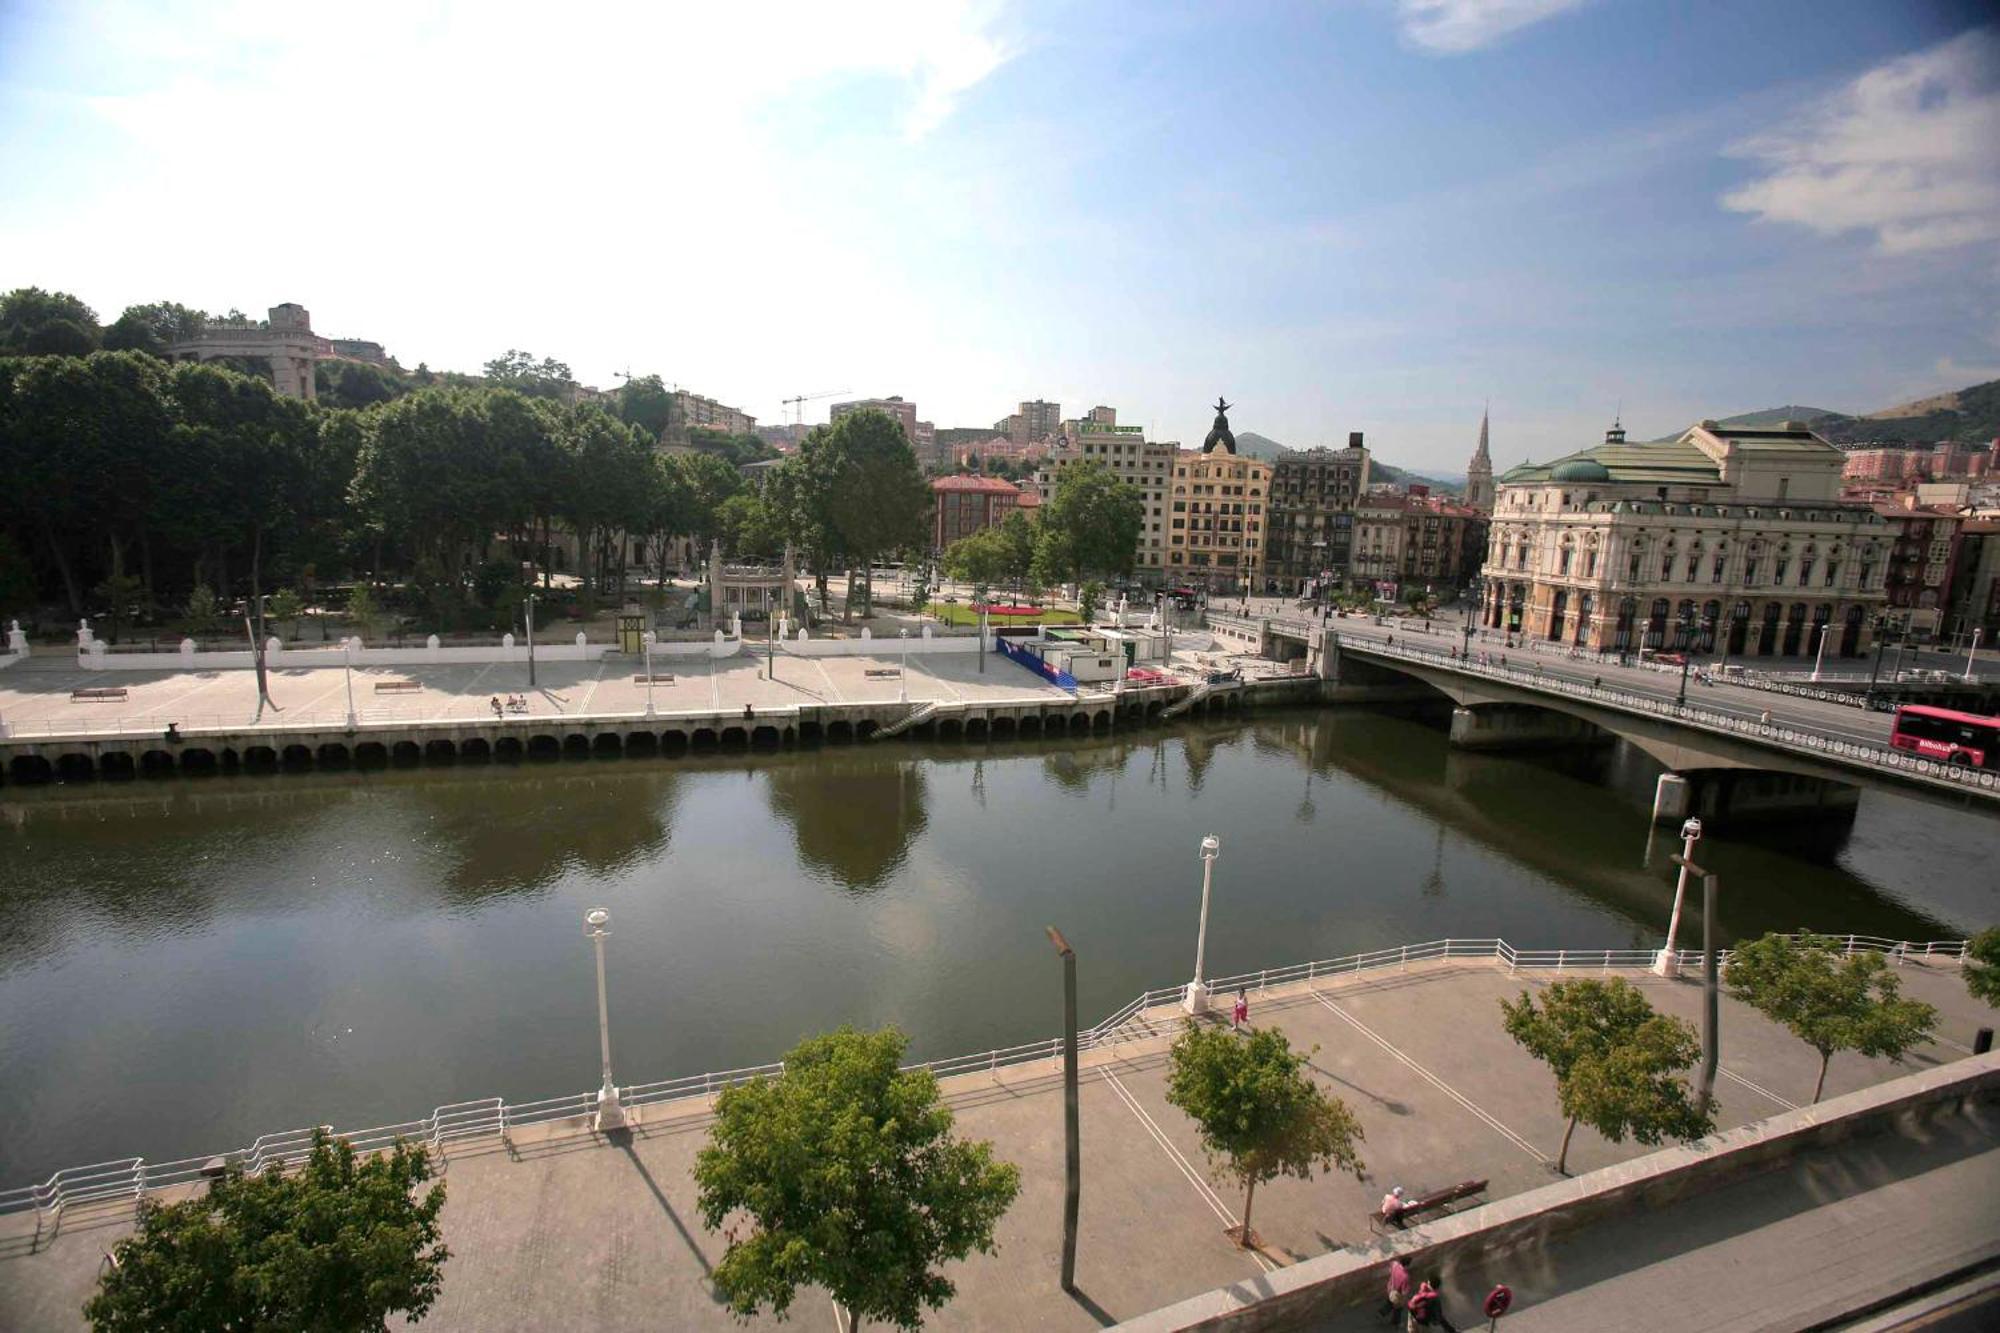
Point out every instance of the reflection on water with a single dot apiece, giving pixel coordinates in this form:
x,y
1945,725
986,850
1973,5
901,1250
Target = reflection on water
x,y
185,965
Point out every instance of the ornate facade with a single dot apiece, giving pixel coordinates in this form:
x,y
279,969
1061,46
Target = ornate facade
x,y
1720,541
1216,539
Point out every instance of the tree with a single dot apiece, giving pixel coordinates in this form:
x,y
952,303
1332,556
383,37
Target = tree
x,y
286,605
1090,526
1830,1002
154,327
1260,1114
848,1175
646,403
517,370
1982,965
121,596
1087,598
1616,1061
980,559
204,616
709,482
38,323
336,1247
362,611
875,493
749,526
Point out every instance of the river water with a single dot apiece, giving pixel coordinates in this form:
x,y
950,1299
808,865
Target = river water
x,y
187,964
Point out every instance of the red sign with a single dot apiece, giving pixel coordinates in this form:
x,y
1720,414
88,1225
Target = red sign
x,y
1498,1300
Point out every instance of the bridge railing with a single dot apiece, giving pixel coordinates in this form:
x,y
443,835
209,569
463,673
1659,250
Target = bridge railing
x,y
123,1182
1833,747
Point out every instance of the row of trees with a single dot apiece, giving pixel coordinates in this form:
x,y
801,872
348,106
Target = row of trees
x,y
843,1171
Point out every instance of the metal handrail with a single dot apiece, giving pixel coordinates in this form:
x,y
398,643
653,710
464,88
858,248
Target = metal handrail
x,y
127,1180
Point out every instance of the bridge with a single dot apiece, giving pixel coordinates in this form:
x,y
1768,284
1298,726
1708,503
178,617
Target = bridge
x,y
1743,752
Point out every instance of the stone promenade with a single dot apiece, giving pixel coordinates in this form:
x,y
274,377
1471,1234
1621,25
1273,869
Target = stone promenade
x,y
566,1231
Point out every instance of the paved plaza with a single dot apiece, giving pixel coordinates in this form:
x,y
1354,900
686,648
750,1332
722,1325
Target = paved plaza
x,y
566,1231
36,696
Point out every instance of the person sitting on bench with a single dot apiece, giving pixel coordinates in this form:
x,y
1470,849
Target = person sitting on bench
x,y
1392,1208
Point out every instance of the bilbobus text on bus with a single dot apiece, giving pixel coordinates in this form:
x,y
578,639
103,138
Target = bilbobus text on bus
x,y
1948,736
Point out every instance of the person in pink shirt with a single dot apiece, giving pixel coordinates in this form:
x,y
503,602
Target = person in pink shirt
x,y
1241,1013
1398,1292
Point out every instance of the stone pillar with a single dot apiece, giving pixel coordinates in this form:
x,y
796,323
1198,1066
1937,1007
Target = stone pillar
x,y
17,642
1670,799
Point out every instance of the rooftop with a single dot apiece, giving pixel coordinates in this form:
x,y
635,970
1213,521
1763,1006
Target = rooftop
x,y
965,482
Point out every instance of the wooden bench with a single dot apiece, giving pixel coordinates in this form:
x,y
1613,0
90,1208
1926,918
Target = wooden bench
x,y
882,671
1436,1201
99,694
397,686
656,678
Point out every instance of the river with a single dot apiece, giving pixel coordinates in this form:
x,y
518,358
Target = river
x,y
189,963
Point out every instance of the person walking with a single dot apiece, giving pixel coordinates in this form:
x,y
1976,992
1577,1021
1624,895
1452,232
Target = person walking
x,y
1427,1307
1240,1014
1398,1292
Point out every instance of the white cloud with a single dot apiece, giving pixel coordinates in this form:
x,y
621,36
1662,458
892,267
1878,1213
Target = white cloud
x,y
1452,27
1909,151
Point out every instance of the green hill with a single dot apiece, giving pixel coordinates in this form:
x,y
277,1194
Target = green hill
x,y
1969,416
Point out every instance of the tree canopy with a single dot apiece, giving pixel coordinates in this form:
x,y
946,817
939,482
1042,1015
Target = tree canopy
x,y
153,327
845,1172
1089,527
38,323
1831,1001
1982,965
1259,1112
1617,1063
335,1247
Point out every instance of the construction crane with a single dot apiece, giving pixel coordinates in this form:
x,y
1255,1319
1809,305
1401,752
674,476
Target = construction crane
x,y
797,403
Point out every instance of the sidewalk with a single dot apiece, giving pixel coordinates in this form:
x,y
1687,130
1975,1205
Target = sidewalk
x,y
563,1231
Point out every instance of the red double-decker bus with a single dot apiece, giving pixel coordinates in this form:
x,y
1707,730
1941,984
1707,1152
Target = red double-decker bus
x,y
1948,736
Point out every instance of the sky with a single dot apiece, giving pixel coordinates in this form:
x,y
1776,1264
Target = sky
x,y
1373,215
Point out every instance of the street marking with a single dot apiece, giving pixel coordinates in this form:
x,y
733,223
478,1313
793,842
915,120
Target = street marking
x,y
1187,1168
714,686
832,692
1760,1089
596,677
956,693
1438,1083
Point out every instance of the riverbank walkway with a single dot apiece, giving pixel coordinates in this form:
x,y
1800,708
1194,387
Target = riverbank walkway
x,y
561,1229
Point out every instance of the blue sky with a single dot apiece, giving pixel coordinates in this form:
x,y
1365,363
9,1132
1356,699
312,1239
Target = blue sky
x,y
1372,215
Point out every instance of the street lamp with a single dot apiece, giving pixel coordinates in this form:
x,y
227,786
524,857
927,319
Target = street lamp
x,y
1819,661
1196,999
1970,652
903,671
1072,1148
610,1115
1881,626
1665,964
347,669
647,639
1685,624
531,640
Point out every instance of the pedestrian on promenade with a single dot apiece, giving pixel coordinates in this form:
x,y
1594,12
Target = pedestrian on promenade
x,y
1426,1309
495,701
1398,1293
1240,1015
1392,1208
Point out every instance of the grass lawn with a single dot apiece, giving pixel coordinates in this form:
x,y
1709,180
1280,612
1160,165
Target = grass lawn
x,y
961,613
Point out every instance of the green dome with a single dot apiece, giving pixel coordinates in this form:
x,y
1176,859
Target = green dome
x,y
1581,469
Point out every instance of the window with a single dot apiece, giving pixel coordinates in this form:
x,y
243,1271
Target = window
x,y
1721,559
1784,486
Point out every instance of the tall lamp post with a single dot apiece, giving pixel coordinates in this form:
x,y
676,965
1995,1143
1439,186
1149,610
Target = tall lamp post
x,y
1072,1148
530,604
610,1115
1686,636
979,600
1196,999
1881,626
347,669
903,670
1665,964
1970,652
647,639
1819,661
1711,1005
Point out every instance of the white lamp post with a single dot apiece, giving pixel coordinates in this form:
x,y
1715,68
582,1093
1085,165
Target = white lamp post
x,y
1820,661
347,668
610,1115
648,640
1664,964
1970,652
903,673
1196,999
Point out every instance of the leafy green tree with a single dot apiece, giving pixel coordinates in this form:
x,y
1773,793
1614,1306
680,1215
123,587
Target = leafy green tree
x,y
336,1247
154,327
1090,526
646,403
1087,598
709,481
38,323
749,526
1982,965
610,485
848,1176
121,596
1832,1002
1617,1063
363,611
794,491
981,559
357,383
875,494
1019,535
519,371
286,606
1260,1114
204,614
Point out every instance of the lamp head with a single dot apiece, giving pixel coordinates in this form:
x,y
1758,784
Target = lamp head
x,y
1691,829
596,917
1210,846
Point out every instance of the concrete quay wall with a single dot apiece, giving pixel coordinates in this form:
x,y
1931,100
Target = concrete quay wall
x,y
1317,1291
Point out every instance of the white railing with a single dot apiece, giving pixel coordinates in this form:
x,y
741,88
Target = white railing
x,y
124,1181
1857,753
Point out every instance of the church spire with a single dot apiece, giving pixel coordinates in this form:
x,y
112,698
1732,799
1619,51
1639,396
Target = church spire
x,y
1479,472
